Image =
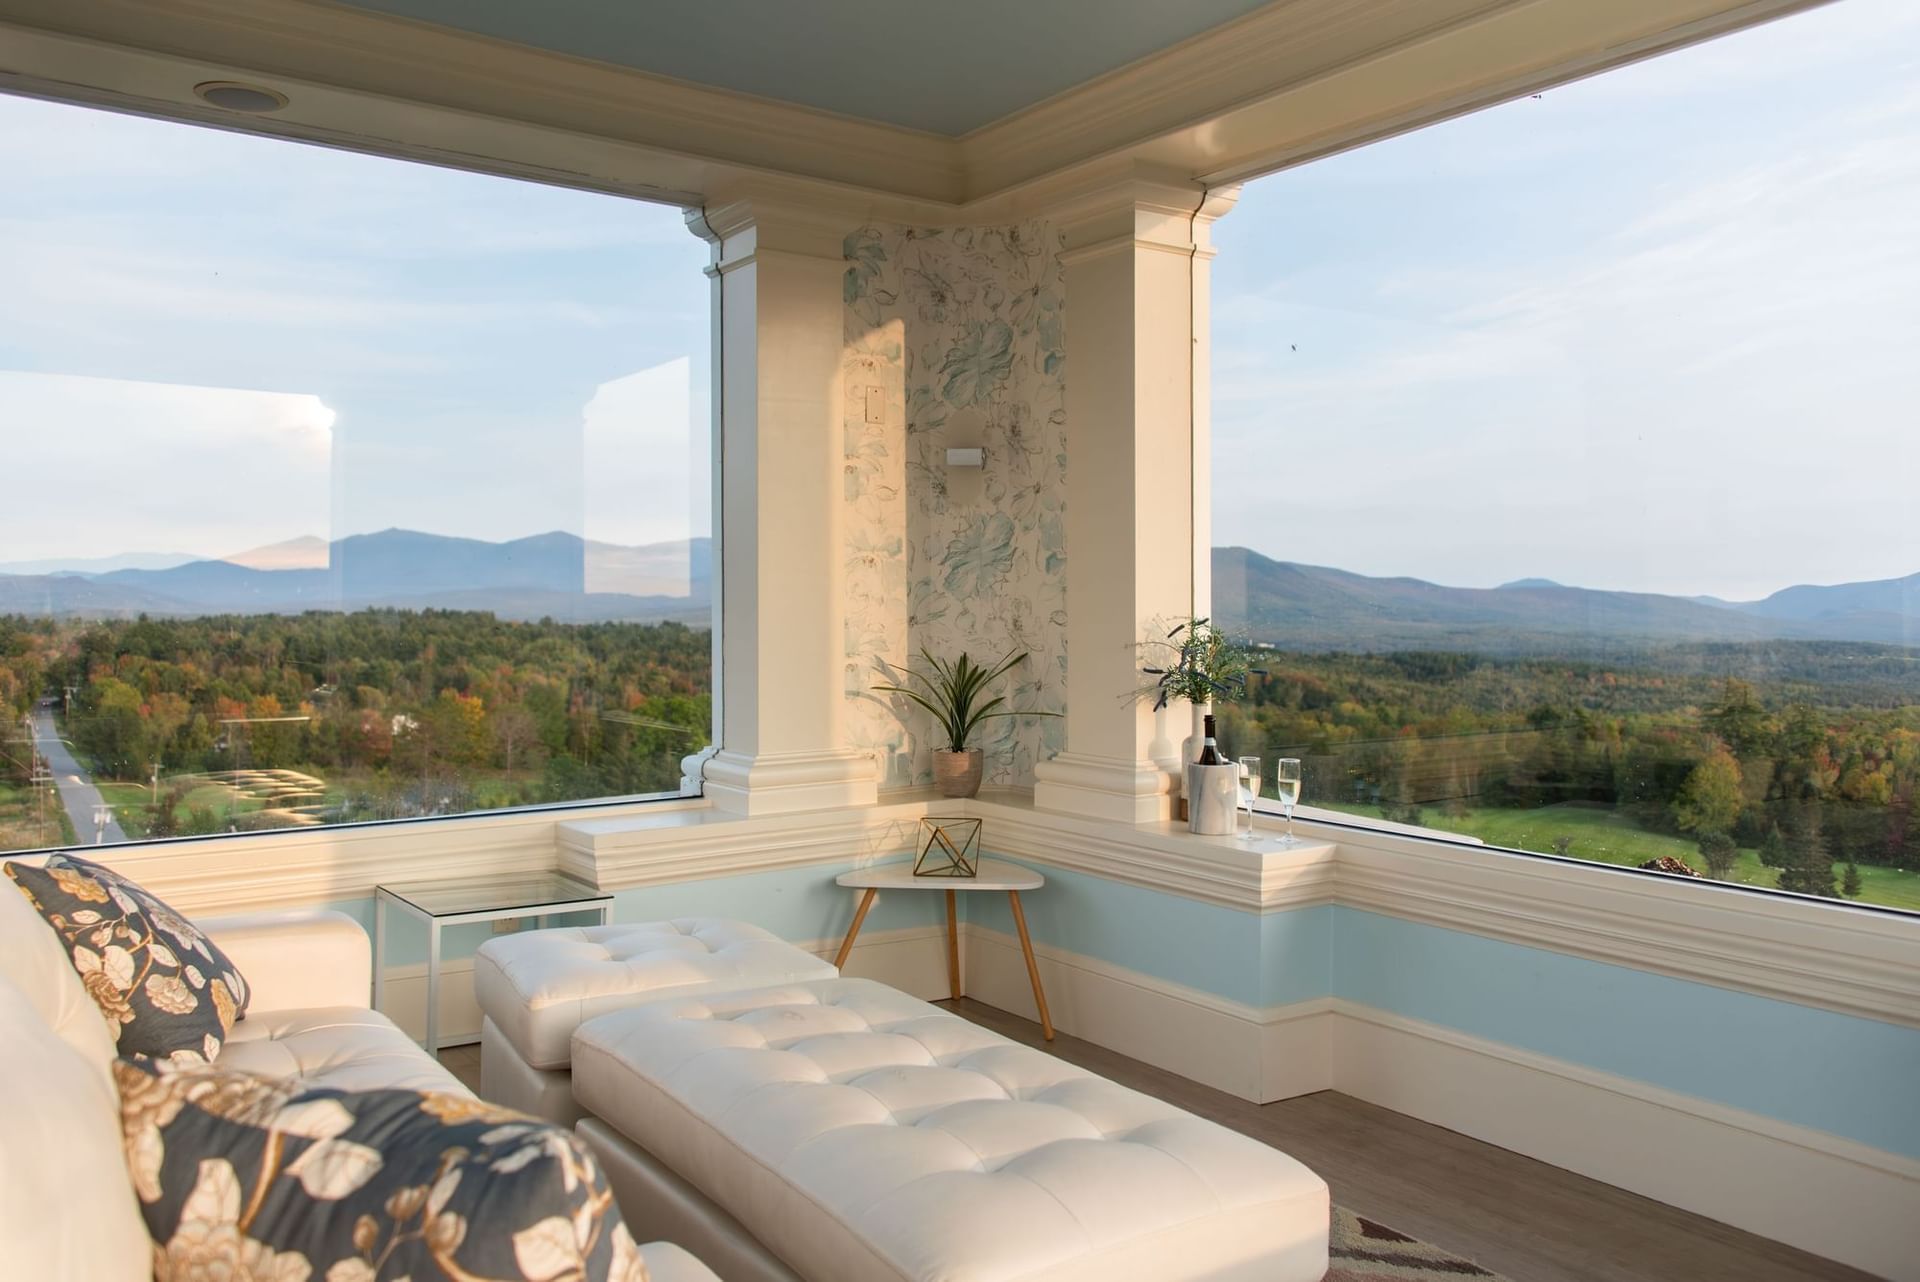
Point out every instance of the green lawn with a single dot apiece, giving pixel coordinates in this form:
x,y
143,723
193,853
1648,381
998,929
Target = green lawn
x,y
1607,837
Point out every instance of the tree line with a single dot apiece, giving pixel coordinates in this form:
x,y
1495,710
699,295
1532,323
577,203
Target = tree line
x,y
417,711
1815,762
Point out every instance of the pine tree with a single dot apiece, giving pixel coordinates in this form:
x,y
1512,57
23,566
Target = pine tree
x,y
1719,853
1809,869
1773,848
1850,884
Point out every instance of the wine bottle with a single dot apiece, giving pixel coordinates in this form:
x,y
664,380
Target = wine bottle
x,y
1209,750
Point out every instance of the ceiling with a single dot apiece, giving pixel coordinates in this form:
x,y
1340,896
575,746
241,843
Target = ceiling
x,y
944,68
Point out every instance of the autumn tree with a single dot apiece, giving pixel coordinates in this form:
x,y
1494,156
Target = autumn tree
x,y
1710,800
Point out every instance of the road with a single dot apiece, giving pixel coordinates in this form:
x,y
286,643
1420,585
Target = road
x,y
77,792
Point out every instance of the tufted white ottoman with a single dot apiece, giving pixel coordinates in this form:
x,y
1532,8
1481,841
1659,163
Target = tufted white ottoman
x,y
535,987
841,1131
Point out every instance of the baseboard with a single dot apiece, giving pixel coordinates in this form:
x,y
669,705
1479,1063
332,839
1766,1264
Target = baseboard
x,y
1258,1054
912,959
1740,1168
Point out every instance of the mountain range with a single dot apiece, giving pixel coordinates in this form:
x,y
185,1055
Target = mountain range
x,y
1316,607
563,576
555,575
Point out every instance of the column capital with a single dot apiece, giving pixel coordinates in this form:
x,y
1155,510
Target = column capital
x,y
741,226
1142,209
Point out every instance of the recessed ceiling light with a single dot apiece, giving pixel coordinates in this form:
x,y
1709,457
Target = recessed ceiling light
x,y
235,96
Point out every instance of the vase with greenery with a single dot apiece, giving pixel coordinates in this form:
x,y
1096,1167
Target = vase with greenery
x,y
1199,663
955,692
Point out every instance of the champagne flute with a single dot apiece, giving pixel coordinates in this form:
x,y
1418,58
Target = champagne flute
x,y
1249,791
1287,776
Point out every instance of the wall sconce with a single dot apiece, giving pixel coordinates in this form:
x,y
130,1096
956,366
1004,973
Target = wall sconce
x,y
966,457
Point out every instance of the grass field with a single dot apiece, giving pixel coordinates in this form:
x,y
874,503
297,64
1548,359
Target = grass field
x,y
1607,837
25,824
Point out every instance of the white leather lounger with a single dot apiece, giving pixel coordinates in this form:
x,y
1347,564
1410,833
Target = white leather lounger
x,y
854,1134
535,987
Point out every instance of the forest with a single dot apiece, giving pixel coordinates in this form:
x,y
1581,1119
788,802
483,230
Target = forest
x,y
232,722
1799,773
1786,764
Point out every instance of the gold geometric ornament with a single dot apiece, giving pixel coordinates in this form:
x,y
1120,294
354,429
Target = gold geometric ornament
x,y
952,849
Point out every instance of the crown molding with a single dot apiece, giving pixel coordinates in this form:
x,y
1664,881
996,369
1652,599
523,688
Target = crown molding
x,y
645,134
1289,81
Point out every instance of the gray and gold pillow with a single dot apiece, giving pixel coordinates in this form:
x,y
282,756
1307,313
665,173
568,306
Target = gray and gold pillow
x,y
257,1177
167,991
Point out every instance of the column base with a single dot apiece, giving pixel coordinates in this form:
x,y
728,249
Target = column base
x,y
781,783
1110,788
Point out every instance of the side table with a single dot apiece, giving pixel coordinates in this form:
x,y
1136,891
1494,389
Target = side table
x,y
449,903
993,874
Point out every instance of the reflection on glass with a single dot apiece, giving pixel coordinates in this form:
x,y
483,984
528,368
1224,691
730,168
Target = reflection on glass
x,y
381,497
1564,466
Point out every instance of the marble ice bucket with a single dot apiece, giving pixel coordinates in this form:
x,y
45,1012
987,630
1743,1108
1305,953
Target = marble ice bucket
x,y
1213,799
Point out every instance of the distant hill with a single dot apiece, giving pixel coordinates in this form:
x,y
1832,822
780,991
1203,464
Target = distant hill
x,y
1316,607
558,574
98,564
1840,601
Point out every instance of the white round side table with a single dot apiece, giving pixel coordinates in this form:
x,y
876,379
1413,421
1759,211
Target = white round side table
x,y
993,874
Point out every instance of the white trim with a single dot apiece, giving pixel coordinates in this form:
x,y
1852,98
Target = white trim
x,y
1819,1192
1837,956
1291,80
1254,1053
1833,956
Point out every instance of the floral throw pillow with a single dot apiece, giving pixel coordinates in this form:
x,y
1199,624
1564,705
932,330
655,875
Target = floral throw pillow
x,y
249,1177
164,987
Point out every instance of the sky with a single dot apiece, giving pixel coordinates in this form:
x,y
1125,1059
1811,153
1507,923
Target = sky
x,y
211,342
1653,331
1658,330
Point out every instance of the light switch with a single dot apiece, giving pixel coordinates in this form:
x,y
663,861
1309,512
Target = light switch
x,y
876,405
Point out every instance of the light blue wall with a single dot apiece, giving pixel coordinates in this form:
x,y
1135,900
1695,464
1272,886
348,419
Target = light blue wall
x,y
1852,1077
1247,957
1858,1078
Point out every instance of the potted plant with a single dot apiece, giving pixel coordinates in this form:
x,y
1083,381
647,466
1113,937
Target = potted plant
x,y
1201,664
954,694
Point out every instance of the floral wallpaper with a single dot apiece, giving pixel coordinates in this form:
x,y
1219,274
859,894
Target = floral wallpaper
x,y
960,329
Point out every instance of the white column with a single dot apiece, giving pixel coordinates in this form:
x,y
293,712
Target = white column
x,y
1137,513
777,407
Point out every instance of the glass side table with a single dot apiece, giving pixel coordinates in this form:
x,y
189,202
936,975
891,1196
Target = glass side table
x,y
456,901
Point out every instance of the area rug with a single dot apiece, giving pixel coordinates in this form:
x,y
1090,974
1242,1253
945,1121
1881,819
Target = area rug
x,y
1367,1252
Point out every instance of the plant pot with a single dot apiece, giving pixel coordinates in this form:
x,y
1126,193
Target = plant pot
x,y
957,774
1213,799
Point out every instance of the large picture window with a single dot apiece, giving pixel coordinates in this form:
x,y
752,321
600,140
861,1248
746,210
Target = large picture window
x,y
340,489
1565,466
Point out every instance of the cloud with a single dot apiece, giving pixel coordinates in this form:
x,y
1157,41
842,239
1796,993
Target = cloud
x,y
1675,363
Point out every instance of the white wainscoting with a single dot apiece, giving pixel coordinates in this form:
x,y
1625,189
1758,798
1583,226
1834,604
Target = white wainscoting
x,y
1734,1166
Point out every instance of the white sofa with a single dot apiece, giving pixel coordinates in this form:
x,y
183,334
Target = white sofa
x,y
67,1207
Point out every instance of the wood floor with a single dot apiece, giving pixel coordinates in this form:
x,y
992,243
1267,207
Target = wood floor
x,y
1521,1218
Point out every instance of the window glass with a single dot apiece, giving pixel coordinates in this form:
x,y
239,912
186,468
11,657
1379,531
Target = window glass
x,y
338,488
1565,462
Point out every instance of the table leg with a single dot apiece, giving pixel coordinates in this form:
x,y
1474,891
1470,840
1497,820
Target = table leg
x,y
1033,969
433,988
379,947
853,931
953,946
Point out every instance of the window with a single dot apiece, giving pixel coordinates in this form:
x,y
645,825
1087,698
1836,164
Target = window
x,y
338,489
1565,461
